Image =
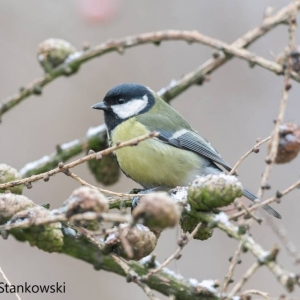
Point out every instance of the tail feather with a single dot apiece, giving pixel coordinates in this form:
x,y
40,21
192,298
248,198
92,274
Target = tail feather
x,y
267,208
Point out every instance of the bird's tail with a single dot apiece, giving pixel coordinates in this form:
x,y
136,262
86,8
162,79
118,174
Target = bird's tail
x,y
267,208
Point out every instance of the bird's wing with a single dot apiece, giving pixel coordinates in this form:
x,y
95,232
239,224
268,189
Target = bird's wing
x,y
192,141
183,137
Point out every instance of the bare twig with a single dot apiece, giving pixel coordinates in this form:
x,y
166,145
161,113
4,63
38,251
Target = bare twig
x,y
174,255
178,86
268,201
254,149
8,282
237,288
125,243
285,278
249,213
232,266
270,159
121,195
255,292
133,276
54,218
65,168
84,183
281,233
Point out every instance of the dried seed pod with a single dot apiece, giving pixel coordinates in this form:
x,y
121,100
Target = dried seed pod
x,y
10,204
139,239
289,143
7,174
86,199
212,191
54,52
157,211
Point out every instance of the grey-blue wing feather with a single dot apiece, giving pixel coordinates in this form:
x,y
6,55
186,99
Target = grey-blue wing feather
x,y
192,141
267,208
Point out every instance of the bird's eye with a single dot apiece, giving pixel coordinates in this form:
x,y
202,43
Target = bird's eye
x,y
121,101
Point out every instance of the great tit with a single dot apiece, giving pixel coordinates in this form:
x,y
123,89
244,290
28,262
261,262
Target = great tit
x,y
172,159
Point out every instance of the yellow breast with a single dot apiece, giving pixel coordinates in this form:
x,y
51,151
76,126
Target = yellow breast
x,y
153,163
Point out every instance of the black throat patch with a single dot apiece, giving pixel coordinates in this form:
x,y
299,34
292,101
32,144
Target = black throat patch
x,y
131,91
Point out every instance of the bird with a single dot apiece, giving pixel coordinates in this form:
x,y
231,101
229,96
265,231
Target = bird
x,y
175,157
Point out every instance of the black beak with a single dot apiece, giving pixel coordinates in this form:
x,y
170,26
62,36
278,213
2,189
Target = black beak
x,y
101,106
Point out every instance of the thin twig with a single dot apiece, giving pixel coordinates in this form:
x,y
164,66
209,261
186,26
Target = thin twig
x,y
133,276
255,292
232,266
84,183
268,201
174,255
178,86
281,233
254,149
65,168
237,288
270,159
87,216
285,278
249,213
8,282
125,243
121,195
105,231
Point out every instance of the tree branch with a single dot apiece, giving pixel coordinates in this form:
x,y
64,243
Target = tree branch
x,y
174,88
285,278
178,86
95,136
65,168
76,243
288,73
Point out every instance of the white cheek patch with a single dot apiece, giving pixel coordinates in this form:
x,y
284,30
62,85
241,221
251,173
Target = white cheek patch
x,y
131,108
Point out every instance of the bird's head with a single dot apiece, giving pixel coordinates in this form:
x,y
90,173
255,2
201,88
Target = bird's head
x,y
125,101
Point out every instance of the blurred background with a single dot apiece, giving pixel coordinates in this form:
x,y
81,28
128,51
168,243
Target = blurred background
x,y
236,107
